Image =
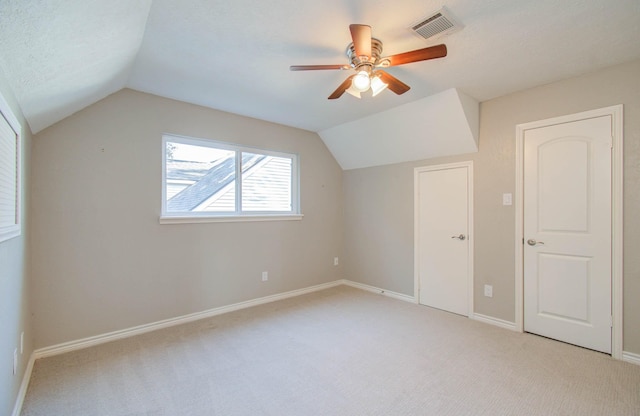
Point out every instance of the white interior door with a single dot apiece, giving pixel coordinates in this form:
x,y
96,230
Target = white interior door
x,y
567,232
443,260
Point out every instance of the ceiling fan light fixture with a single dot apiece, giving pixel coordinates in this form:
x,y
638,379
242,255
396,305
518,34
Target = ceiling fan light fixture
x,y
364,55
351,90
377,85
361,82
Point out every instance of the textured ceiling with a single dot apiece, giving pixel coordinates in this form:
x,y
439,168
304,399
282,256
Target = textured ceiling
x,y
59,56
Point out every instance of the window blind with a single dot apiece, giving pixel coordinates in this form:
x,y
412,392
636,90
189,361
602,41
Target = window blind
x,y
8,177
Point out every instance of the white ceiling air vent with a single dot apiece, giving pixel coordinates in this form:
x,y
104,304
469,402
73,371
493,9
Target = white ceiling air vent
x,y
436,25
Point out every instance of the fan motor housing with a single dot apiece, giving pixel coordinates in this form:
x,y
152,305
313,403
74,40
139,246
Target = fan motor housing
x,y
357,61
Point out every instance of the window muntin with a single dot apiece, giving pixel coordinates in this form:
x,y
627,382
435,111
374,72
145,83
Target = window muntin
x,y
200,179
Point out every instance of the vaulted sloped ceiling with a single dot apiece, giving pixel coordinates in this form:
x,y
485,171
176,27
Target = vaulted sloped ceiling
x,y
59,56
443,124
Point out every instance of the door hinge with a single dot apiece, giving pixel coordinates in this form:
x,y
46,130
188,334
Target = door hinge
x,y
611,142
611,321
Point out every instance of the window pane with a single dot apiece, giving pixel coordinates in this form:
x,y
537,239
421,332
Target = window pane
x,y
266,183
205,178
199,178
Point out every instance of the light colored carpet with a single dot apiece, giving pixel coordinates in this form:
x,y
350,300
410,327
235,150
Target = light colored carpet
x,y
341,351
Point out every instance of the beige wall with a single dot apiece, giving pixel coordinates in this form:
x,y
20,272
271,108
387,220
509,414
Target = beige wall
x,y
14,281
379,201
102,262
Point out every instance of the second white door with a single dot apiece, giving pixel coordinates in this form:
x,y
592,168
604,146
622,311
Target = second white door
x,y
567,232
443,266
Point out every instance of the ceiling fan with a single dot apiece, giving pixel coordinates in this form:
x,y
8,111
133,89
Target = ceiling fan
x,y
364,57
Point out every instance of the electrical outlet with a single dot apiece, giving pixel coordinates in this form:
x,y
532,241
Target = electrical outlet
x,y
488,291
265,276
335,261
15,361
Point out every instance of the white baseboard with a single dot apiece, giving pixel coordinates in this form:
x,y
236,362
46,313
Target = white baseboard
x,y
154,326
22,392
380,291
141,329
631,357
476,316
493,321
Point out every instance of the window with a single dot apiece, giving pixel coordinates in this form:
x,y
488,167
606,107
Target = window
x,y
10,131
205,180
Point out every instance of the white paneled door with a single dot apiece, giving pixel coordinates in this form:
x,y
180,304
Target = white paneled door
x,y
443,255
567,232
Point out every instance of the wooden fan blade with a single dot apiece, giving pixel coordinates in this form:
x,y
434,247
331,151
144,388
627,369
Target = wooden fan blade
x,y
431,52
342,88
361,35
316,67
394,83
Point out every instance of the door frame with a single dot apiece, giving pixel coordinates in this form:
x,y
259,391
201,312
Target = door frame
x,y
470,231
616,113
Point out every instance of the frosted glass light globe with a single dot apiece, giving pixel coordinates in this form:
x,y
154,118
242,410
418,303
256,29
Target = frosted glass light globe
x,y
377,85
361,81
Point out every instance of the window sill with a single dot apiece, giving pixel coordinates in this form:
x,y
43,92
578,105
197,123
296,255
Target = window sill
x,y
235,218
7,233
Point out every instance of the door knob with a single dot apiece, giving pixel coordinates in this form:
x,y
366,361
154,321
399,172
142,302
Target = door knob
x,y
533,242
460,237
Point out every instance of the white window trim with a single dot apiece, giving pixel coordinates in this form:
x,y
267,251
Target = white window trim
x,y
11,231
208,217
229,218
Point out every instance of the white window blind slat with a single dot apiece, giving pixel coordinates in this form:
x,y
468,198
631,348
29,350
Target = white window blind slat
x,y
9,192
